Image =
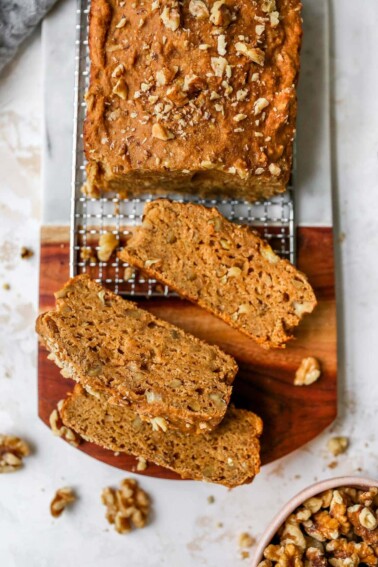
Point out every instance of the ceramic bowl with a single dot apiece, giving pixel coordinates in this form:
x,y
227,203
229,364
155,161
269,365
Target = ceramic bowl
x,y
313,490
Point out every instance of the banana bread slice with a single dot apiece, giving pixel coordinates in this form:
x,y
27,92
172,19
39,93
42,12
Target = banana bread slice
x,y
225,268
229,455
126,355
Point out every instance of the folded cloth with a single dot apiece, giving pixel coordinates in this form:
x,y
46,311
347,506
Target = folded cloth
x,y
18,18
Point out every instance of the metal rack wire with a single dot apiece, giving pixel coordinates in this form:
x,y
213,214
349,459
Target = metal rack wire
x,y
90,217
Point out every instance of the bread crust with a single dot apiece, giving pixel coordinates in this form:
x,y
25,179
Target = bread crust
x,y
208,107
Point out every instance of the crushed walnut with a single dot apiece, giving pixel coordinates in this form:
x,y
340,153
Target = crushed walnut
x,y
126,507
26,253
337,445
308,372
337,527
108,242
60,430
63,497
12,451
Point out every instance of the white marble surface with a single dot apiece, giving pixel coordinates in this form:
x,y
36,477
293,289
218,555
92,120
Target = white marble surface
x,y
184,530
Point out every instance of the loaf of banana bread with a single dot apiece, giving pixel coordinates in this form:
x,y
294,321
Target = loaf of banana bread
x,y
125,355
229,455
225,268
195,95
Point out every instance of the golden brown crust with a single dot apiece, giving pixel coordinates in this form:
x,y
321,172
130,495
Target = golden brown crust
x,y
225,268
196,96
127,356
229,455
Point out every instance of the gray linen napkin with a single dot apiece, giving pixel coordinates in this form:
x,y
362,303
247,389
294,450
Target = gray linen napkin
x,y
18,18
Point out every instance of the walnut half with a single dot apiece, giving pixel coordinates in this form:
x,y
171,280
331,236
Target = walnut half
x,y
12,451
126,507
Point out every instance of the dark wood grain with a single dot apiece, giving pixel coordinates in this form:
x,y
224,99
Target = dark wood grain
x,y
292,415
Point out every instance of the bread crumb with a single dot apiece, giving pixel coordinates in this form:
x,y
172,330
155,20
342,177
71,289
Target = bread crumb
x,y
246,540
26,253
6,286
142,464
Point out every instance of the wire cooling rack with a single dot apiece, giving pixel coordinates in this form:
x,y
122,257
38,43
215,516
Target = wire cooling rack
x,y
90,218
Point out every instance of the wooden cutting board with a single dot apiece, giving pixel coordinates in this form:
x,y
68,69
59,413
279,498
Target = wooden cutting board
x,y
292,415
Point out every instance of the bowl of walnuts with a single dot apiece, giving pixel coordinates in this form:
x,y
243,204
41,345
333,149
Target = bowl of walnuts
x,y
332,522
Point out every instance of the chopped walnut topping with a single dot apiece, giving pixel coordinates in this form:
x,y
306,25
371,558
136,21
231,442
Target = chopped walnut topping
x,y
219,64
198,9
126,507
108,242
63,497
120,89
222,44
241,94
274,19
170,15
161,79
12,451
308,372
259,105
337,535
240,117
161,132
254,53
268,6
220,14
274,169
121,23
337,445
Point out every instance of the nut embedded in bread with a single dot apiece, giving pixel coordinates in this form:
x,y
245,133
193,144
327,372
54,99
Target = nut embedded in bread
x,y
225,268
195,96
126,355
229,455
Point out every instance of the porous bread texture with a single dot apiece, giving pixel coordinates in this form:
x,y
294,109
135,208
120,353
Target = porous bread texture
x,y
124,354
195,96
223,267
229,455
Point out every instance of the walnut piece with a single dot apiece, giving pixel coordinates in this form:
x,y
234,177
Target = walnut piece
x,y
198,9
170,15
12,451
246,540
308,372
127,507
337,445
161,132
26,253
60,430
63,497
108,242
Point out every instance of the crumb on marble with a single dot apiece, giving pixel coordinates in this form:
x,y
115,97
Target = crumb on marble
x,y
26,253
